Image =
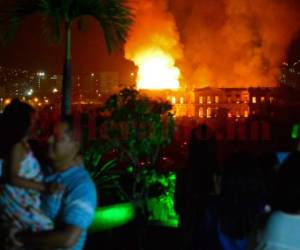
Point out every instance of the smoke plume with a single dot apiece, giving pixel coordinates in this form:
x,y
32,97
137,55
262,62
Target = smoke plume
x,y
225,43
235,43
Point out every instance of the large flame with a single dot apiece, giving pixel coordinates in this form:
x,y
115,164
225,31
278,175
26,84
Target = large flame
x,y
153,45
157,70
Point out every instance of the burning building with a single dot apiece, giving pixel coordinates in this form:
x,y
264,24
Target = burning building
x,y
212,59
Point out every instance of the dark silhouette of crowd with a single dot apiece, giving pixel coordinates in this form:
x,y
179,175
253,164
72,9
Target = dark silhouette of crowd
x,y
251,201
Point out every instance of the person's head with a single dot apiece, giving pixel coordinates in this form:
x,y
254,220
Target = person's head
x,y
288,185
64,144
16,123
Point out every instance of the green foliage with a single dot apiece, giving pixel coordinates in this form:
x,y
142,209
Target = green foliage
x,y
114,17
138,127
102,171
161,208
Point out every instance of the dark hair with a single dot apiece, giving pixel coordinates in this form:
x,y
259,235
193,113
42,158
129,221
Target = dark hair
x,y
14,125
241,197
288,185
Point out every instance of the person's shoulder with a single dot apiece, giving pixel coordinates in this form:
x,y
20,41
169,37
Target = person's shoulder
x,y
279,219
280,231
82,187
83,179
19,152
84,175
19,148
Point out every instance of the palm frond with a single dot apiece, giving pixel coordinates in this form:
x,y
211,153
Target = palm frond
x,y
82,23
52,19
52,28
14,14
114,16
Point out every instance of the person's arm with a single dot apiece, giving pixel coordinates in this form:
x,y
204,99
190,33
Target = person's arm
x,y
13,167
66,237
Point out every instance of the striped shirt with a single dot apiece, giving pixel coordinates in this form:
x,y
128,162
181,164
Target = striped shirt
x,y
79,202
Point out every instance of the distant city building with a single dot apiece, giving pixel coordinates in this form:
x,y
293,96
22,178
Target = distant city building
x,y
109,82
290,74
55,82
237,103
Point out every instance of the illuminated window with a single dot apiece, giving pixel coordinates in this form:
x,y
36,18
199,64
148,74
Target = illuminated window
x,y
253,99
217,99
262,99
201,112
208,113
237,114
173,100
229,115
209,99
181,100
201,99
246,113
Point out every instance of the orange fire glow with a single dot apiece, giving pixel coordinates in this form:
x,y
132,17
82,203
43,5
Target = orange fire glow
x,y
154,46
157,70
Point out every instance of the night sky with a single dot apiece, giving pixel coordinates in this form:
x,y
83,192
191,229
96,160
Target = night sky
x,y
30,50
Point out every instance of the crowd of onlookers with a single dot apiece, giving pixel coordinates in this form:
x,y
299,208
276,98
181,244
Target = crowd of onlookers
x,y
251,202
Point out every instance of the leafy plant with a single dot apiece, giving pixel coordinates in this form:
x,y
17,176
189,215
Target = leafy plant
x,y
138,128
102,172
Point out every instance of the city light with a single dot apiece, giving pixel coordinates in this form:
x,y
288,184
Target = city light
x,y
41,74
7,101
29,92
55,90
36,99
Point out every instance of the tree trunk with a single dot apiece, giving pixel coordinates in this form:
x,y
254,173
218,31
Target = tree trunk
x,y
67,75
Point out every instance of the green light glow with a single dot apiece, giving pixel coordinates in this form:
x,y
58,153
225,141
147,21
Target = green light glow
x,y
110,217
167,223
161,208
172,177
295,131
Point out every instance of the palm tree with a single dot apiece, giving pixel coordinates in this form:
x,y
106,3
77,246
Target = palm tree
x,y
114,16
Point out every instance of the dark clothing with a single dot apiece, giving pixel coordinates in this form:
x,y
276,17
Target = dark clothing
x,y
193,187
